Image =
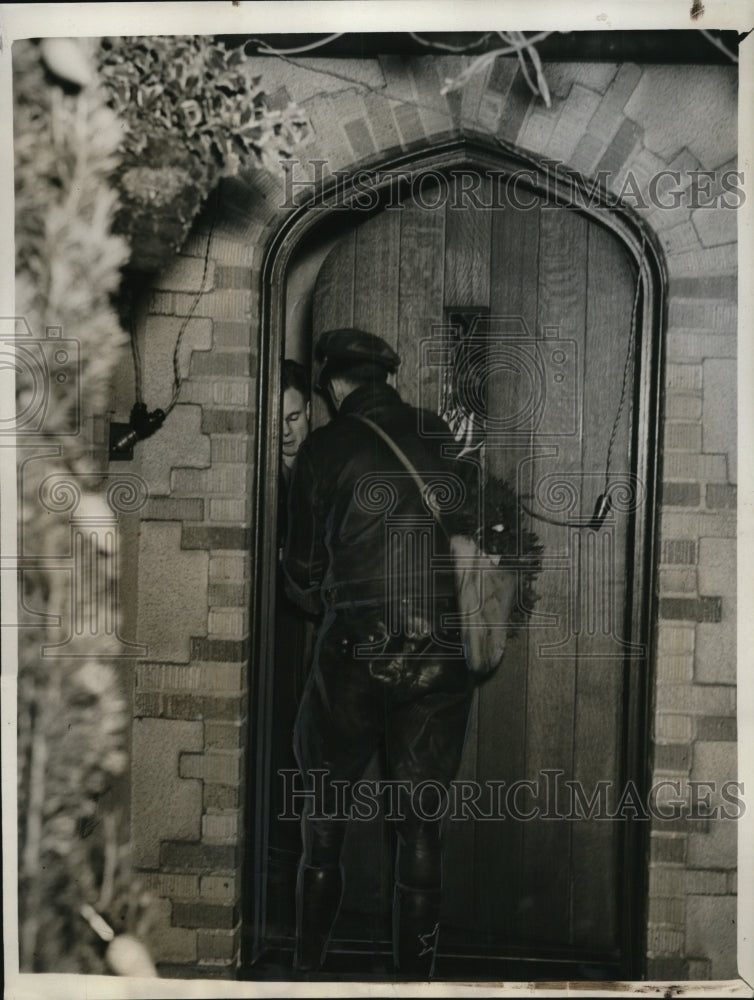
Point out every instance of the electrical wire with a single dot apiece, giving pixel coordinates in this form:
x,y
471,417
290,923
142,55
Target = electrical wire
x,y
268,49
136,355
616,421
481,62
456,49
719,45
627,362
178,379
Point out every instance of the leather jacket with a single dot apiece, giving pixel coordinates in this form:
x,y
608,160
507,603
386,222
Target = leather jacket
x,y
359,531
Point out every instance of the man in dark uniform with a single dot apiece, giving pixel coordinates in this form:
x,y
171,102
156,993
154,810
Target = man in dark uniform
x,y
388,672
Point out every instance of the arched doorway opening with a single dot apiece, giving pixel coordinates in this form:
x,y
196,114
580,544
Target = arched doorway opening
x,y
459,241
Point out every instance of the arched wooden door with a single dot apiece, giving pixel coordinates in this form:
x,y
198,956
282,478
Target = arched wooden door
x,y
553,293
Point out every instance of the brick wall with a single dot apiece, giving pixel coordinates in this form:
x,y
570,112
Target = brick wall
x,y
190,703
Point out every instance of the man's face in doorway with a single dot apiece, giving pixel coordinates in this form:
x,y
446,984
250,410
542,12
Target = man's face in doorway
x,y
295,424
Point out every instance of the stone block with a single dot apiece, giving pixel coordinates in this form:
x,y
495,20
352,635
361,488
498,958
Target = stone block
x,y
670,849
221,480
717,315
715,657
678,581
520,99
721,495
168,943
695,466
699,609
228,567
683,406
672,728
220,650
185,274
238,362
228,623
160,339
578,108
218,828
565,77
155,704
168,509
221,796
716,729
683,436
715,225
204,915
667,98
676,239
215,678
683,378
225,421
164,805
705,883
223,889
230,448
618,152
705,260
663,969
678,551
214,945
408,123
215,537
690,344
228,511
711,933
673,669
229,334
172,592
672,757
663,940
219,767
198,857
679,523
665,881
224,735
179,442
675,639
172,886
720,414
667,911
680,494
231,393
717,567
719,286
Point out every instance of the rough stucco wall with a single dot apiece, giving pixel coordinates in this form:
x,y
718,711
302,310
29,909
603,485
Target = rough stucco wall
x,y
196,526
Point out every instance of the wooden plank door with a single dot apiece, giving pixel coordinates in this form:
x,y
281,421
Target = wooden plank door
x,y
554,713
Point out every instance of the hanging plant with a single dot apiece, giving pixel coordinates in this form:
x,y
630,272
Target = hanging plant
x,y
192,112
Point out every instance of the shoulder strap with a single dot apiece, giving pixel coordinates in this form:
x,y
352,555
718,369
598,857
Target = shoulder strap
x,y
403,458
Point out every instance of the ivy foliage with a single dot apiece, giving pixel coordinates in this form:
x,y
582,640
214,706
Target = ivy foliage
x,y
192,111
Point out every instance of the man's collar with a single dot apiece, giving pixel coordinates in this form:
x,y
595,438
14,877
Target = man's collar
x,y
368,397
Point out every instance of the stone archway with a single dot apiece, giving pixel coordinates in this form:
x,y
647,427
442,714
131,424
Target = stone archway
x,y
318,221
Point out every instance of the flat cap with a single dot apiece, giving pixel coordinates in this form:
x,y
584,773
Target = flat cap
x,y
339,350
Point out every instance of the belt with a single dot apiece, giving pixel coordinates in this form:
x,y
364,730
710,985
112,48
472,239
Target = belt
x,y
373,593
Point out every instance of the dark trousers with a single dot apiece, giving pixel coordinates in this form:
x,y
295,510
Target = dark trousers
x,y
409,696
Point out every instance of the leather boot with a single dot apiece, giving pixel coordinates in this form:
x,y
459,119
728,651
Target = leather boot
x,y
416,916
318,895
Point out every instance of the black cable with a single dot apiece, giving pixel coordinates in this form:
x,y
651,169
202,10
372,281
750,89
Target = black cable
x,y
178,379
603,504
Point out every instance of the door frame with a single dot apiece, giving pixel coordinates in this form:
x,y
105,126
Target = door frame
x,y
318,214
